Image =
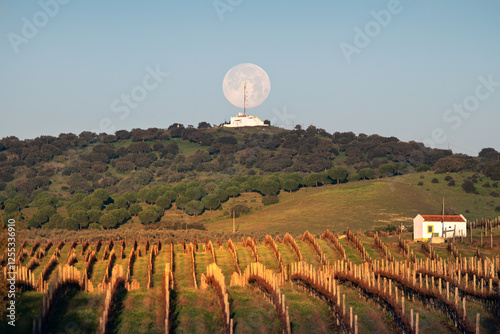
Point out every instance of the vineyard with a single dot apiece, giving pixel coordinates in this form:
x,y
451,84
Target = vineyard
x,y
352,283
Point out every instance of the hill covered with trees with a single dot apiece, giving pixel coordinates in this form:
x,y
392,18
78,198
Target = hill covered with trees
x,y
102,181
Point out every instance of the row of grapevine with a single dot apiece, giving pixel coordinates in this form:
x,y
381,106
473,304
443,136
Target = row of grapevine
x,y
168,280
312,240
116,279
232,249
216,278
383,248
270,283
269,241
67,275
405,247
328,235
324,285
359,245
191,252
250,243
290,241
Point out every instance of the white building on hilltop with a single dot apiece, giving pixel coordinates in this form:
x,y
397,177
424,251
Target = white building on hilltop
x,y
244,120
445,226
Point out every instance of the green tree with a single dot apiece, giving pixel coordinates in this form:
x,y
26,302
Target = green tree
x,y
122,215
211,202
149,216
233,191
108,220
181,202
101,194
366,173
422,168
269,187
353,177
194,193
164,203
337,173
81,218
134,209
143,194
170,195
42,215
315,179
386,170
194,208
130,196
96,203
94,215
121,202
57,220
70,223
221,195
291,185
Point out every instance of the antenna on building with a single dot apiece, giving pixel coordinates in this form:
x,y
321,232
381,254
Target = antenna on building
x,y
245,99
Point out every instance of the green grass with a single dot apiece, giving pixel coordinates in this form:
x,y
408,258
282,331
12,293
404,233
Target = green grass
x,y
202,305
307,313
479,206
77,310
27,306
267,258
351,251
186,147
161,260
363,205
359,205
251,312
225,262
140,313
245,256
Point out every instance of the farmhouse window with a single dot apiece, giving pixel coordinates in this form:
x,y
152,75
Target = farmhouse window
x,y
430,229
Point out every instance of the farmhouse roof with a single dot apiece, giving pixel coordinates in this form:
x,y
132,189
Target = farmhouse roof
x,y
447,218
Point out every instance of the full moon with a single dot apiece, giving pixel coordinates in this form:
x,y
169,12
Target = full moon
x,y
258,85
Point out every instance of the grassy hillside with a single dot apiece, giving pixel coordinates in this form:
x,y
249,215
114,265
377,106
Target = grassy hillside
x,y
363,205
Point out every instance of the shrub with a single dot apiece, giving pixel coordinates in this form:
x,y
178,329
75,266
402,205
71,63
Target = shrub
x,y
494,194
494,185
448,178
267,200
423,168
451,183
420,183
95,226
434,180
486,185
194,207
469,187
353,177
497,209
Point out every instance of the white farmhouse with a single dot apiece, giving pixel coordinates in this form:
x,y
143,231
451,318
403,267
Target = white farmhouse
x,y
428,226
244,120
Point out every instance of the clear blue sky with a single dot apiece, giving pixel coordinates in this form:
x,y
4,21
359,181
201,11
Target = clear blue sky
x,y
71,74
